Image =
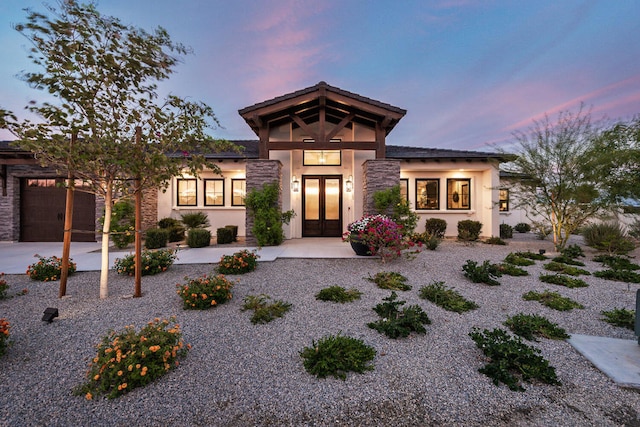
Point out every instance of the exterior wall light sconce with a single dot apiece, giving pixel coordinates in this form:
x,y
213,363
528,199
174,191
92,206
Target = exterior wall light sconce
x,y
349,184
295,184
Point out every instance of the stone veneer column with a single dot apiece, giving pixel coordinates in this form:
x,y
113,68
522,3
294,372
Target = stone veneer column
x,y
258,173
378,174
149,208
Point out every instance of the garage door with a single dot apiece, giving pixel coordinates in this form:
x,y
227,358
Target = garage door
x,y
42,212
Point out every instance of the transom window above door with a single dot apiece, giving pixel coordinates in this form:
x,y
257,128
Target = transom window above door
x,y
322,157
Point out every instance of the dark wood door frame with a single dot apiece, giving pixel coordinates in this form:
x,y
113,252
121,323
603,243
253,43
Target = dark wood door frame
x,y
321,227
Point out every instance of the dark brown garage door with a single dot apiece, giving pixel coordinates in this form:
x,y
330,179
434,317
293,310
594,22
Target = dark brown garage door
x,y
42,212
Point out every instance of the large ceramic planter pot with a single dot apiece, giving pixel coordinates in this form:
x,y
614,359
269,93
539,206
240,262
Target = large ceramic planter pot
x,y
360,248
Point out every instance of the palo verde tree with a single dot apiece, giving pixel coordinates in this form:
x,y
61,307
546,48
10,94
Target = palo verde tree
x,y
105,76
556,186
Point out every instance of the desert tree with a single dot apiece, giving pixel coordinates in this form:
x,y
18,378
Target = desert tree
x,y
104,76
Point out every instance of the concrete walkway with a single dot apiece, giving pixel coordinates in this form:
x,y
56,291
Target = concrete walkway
x,y
16,257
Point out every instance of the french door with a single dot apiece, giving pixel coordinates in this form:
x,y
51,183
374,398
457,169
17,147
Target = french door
x,y
322,206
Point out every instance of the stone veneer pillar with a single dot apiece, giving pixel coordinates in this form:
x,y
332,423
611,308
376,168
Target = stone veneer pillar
x,y
258,173
378,174
149,208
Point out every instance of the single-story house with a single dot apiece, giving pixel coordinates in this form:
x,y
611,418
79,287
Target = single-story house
x,y
326,147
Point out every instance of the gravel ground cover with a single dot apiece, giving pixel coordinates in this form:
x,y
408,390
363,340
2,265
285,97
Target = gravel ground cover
x,y
240,374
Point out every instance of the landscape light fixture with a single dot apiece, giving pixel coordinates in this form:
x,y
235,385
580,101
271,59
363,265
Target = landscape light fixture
x,y
349,184
49,314
542,251
295,184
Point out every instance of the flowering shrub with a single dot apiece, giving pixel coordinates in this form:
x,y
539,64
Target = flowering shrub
x,y
127,359
204,292
48,268
382,236
238,263
4,335
3,287
153,262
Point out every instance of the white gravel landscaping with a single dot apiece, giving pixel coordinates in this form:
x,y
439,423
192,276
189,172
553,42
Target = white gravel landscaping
x,y
241,374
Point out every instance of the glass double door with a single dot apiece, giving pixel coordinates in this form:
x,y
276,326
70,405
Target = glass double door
x,y
322,206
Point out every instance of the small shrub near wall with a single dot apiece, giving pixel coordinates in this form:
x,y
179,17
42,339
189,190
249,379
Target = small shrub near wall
x,y
174,227
198,238
506,231
156,238
522,227
224,235
436,227
469,230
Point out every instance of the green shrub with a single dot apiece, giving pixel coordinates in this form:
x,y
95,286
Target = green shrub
x,y
552,300
193,220
616,262
153,262
268,218
390,280
123,220
511,270
619,275
563,259
435,227
48,268
205,292
224,235
234,231
518,260
395,323
447,298
263,311
559,279
522,227
506,231
198,238
337,355
485,273
609,237
529,326
3,287
565,269
338,294
620,317
4,335
469,230
240,262
429,241
127,360
572,251
391,203
493,240
156,238
531,255
174,228
511,361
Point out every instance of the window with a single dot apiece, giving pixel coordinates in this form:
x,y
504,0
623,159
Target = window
x,y
428,194
322,157
404,189
214,192
458,196
504,200
238,191
187,194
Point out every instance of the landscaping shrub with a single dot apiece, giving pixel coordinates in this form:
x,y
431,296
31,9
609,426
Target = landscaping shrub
x,y
395,323
427,240
572,251
234,231
493,240
531,255
511,270
174,227
193,220
153,262
268,219
391,203
240,262
469,230
130,359
619,275
198,238
565,269
609,237
156,238
263,311
4,336
3,287
337,355
522,227
48,268
390,280
616,262
559,279
620,317
485,273
529,326
123,220
205,292
506,231
224,235
563,259
518,260
338,294
447,298
511,361
435,227
552,300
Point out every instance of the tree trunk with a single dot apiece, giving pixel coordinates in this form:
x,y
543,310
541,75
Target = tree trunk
x,y
104,269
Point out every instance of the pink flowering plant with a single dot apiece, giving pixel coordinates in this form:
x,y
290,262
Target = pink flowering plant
x,y
383,236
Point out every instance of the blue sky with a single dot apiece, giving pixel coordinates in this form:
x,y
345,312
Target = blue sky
x,y
468,72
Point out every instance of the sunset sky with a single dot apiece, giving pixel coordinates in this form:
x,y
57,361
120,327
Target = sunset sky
x,y
468,72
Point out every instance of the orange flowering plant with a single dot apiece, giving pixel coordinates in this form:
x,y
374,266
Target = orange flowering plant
x,y
240,262
48,268
206,291
153,262
4,335
130,359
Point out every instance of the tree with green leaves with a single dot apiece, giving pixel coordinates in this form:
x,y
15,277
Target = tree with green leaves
x,y
105,75
556,186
